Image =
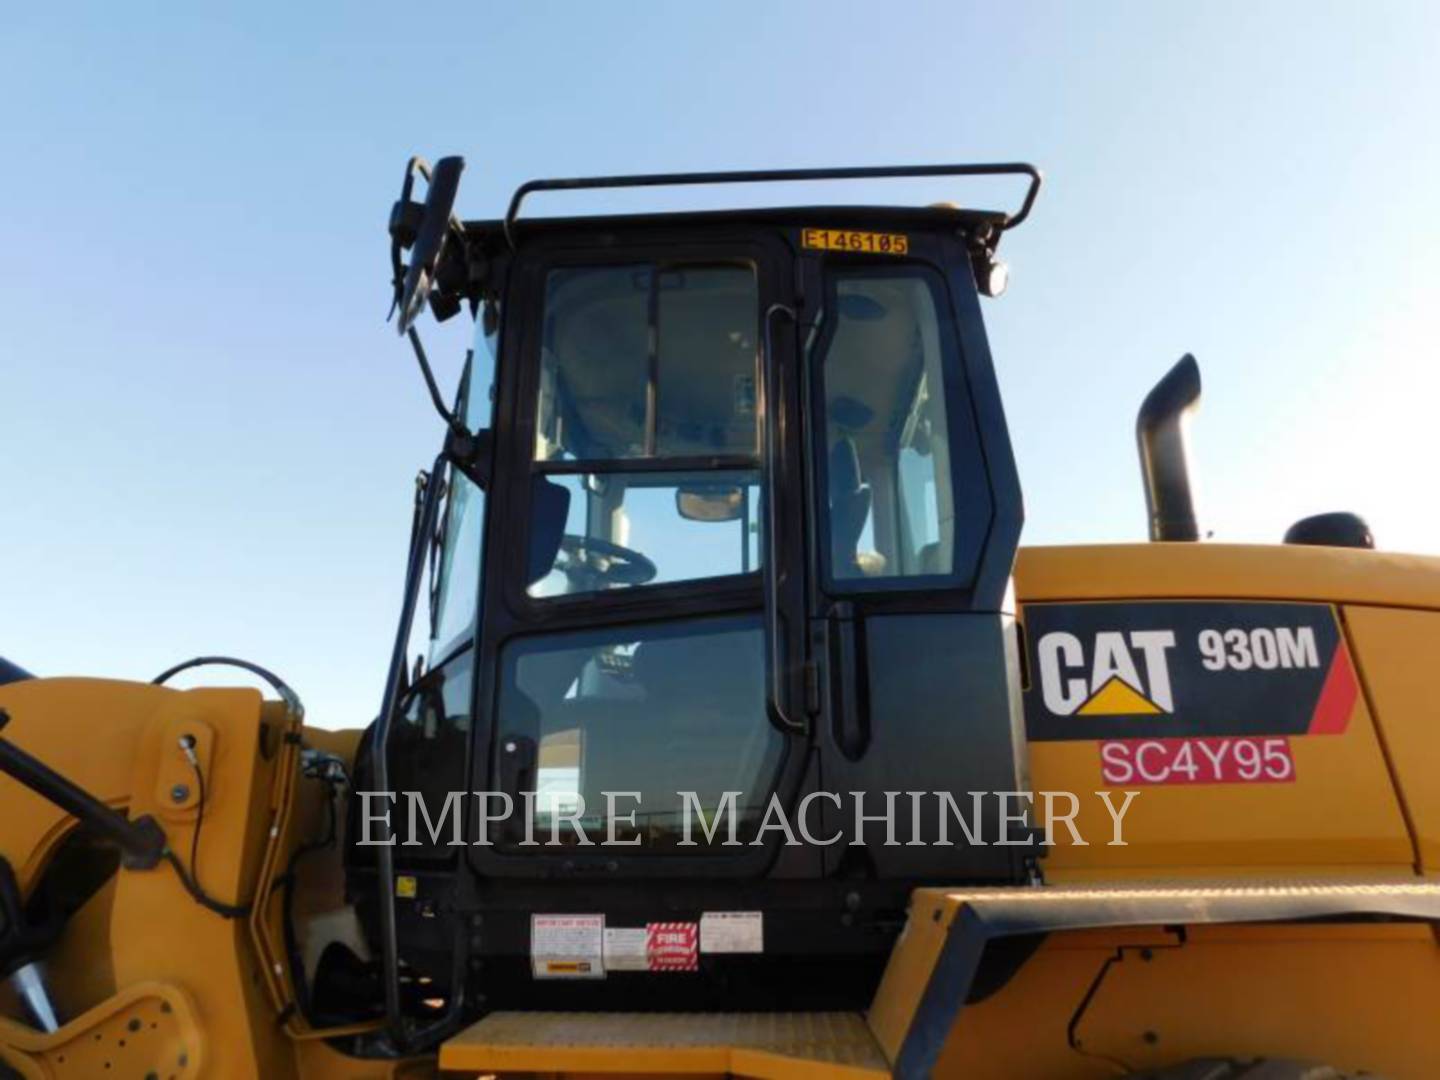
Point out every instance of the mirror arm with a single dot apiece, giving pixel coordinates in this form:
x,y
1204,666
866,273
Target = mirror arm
x,y
451,420
468,453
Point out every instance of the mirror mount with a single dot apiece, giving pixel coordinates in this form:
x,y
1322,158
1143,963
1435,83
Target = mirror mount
x,y
471,454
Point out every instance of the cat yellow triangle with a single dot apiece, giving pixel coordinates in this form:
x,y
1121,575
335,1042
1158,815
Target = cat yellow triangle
x,y
1118,698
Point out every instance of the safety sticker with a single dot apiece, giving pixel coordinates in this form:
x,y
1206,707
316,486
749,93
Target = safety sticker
x,y
1200,670
406,887
673,946
732,932
567,946
627,948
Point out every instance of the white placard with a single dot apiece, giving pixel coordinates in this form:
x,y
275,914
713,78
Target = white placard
x,y
625,948
567,946
732,932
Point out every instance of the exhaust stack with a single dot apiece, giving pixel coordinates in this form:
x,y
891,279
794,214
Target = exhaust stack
x,y
1160,432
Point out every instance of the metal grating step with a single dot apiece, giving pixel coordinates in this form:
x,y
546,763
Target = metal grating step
x,y
760,1045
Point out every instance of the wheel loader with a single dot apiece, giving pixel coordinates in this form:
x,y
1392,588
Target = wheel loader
x,y
744,739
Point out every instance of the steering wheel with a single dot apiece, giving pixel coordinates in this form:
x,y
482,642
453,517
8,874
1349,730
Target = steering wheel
x,y
592,563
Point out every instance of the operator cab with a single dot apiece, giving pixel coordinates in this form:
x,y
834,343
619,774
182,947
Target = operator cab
x,y
725,522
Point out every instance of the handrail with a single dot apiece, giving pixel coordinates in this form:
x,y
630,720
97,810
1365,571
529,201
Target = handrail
x,y
765,176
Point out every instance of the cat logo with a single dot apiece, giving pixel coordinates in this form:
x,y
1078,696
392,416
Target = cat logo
x,y
1108,681
1176,669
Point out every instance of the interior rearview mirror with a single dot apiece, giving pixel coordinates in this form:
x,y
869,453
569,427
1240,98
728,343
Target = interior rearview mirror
x,y
430,238
710,502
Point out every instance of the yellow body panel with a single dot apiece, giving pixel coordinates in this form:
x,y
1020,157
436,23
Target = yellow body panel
x,y
1236,829
1227,571
1214,830
1347,995
141,950
1397,652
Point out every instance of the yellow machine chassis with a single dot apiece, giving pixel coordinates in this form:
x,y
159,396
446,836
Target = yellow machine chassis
x,y
1322,947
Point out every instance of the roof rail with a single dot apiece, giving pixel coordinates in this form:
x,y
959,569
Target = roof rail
x,y
864,172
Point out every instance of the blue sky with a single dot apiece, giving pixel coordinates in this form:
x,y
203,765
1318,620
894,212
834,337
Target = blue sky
x,y
210,435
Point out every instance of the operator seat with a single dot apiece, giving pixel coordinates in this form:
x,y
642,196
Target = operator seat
x,y
849,508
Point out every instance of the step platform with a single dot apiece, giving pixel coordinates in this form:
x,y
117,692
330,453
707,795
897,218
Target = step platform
x,y
766,1046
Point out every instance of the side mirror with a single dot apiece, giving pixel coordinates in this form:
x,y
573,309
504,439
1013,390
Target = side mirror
x,y
710,502
430,234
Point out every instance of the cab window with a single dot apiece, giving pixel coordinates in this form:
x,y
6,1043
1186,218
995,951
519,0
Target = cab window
x,y
647,360
456,585
644,365
904,483
672,715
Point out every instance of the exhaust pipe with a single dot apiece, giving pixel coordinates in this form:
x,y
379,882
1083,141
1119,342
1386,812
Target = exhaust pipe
x,y
1160,434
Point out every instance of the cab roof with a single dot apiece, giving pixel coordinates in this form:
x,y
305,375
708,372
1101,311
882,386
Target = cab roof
x,y
937,217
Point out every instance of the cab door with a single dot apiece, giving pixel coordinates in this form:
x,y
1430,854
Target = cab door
x,y
915,514
626,700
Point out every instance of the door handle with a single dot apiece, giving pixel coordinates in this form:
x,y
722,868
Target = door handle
x,y
781,698
517,771
849,716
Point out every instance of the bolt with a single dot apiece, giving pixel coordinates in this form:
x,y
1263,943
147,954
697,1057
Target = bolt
x,y
179,793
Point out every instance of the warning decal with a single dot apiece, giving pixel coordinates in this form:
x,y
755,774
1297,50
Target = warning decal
x,y
1168,670
673,946
627,948
567,946
732,932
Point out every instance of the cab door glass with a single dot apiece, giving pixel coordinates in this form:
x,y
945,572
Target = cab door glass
x,y
904,486
656,363
697,525
668,720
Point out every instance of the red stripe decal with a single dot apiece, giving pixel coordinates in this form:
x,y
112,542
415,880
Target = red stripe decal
x,y
1337,697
